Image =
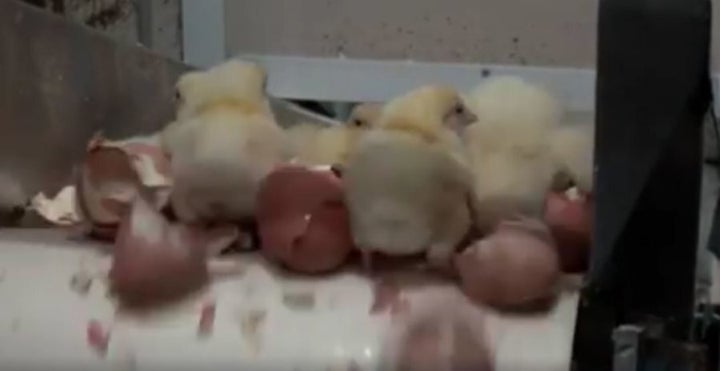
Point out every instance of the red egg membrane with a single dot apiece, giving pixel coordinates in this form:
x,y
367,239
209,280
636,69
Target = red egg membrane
x,y
207,319
98,338
302,219
570,221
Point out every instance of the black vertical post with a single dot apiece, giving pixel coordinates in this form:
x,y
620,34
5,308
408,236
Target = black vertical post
x,y
652,93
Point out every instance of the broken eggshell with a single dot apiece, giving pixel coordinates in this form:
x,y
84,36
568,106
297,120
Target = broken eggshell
x,y
302,219
569,216
61,210
155,261
111,176
515,267
440,330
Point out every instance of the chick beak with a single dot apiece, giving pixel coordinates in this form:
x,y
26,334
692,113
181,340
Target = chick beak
x,y
470,118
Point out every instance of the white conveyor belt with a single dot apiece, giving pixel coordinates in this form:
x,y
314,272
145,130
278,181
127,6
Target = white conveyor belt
x,y
43,321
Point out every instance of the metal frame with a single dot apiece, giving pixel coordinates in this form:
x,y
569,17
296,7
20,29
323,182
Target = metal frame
x,y
653,92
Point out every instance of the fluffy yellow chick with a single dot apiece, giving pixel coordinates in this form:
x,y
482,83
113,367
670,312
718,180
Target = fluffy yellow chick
x,y
572,147
317,145
302,136
223,142
509,148
407,186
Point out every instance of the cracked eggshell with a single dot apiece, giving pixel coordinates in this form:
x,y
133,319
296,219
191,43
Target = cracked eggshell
x,y
111,176
515,266
302,219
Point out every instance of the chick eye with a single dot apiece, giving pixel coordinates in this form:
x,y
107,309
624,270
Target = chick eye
x,y
459,110
358,123
177,96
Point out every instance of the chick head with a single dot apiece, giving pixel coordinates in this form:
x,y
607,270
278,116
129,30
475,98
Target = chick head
x,y
427,110
511,101
365,115
233,83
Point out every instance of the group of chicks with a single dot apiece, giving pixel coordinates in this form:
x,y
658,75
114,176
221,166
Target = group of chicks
x,y
421,174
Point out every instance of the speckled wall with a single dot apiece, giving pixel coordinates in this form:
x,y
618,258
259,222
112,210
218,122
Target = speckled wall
x,y
547,32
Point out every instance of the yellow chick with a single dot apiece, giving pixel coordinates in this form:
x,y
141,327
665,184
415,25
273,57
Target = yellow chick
x,y
301,136
315,145
407,187
509,148
223,142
